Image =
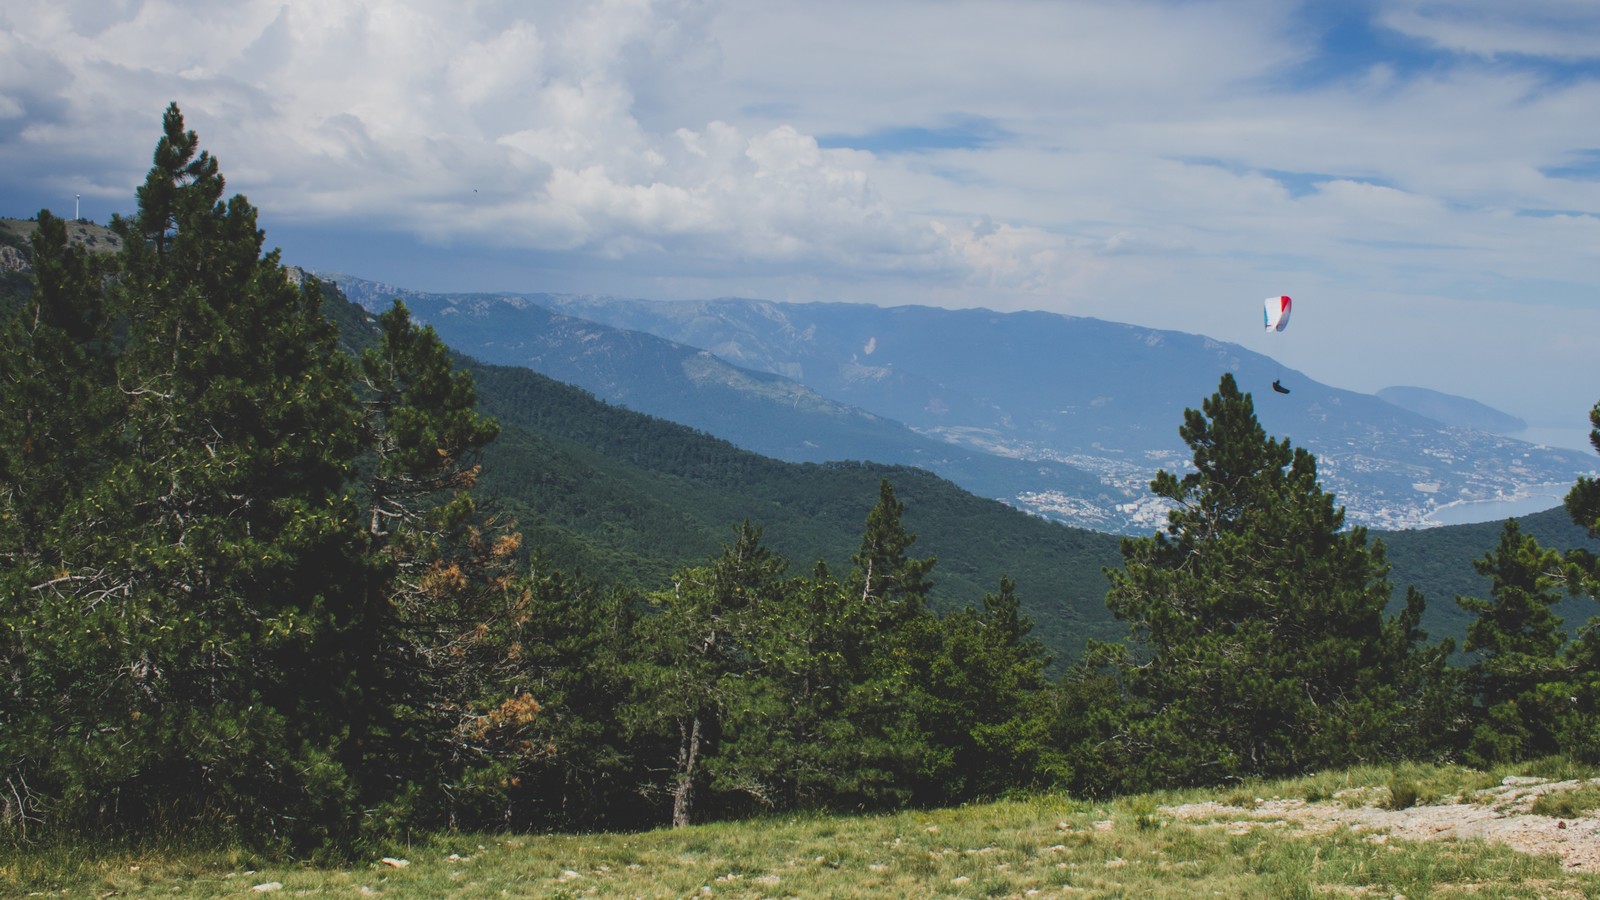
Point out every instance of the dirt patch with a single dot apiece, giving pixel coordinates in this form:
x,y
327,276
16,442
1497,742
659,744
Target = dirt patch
x,y
1502,814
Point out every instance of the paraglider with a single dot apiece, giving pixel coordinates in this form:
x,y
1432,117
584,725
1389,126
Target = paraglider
x,y
1276,314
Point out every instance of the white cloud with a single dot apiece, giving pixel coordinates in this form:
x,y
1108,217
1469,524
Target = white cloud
x,y
522,133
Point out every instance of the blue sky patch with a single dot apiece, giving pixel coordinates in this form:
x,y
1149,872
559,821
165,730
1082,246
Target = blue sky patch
x,y
1346,44
1302,183
1298,184
1585,166
959,133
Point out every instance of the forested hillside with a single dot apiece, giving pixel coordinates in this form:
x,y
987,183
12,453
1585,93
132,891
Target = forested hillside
x,y
626,498
1438,562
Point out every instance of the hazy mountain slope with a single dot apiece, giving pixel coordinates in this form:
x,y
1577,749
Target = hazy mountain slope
x,y
759,411
627,498
1099,395
1452,410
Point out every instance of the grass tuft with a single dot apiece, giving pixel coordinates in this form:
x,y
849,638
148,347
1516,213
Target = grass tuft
x,y
1572,804
1403,793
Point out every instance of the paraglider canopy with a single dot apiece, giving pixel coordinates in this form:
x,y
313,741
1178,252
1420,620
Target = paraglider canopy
x,y
1277,313
1277,319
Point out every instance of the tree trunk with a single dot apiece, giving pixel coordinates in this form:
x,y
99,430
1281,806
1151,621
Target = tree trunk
x,y
688,760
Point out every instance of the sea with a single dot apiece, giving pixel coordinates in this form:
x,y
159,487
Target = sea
x,y
1499,510
1538,499
1564,437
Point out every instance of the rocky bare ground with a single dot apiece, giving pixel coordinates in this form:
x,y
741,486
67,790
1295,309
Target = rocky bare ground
x,y
1502,814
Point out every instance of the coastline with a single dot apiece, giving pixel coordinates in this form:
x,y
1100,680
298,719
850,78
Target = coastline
x,y
1532,499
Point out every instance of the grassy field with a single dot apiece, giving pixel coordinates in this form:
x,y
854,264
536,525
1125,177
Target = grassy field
x,y
1048,846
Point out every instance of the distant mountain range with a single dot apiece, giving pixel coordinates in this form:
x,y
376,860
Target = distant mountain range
x,y
1452,410
1066,417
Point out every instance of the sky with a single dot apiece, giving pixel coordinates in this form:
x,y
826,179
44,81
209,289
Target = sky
x,y
1422,176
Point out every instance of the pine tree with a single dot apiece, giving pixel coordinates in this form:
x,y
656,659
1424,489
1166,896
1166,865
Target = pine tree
x,y
986,709
203,624
1518,637
821,705
446,605
700,676
1583,501
891,588
1265,649
58,391
789,746
575,653
1578,731
201,547
874,744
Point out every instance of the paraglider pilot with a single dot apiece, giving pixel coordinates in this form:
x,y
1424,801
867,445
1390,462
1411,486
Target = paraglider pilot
x,y
1276,311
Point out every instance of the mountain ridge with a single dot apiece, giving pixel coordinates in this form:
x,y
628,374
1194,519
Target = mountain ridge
x,y
1067,417
764,412
1451,409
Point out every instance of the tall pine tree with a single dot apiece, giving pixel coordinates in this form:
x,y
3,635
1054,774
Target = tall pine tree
x,y
700,679
1579,729
873,744
1518,638
1538,692
205,549
1262,643
201,622
57,437
441,697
